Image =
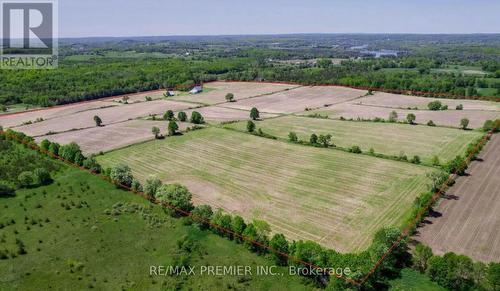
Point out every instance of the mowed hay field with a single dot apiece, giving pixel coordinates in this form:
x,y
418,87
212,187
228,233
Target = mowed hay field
x,y
215,92
466,221
105,138
449,118
405,101
384,138
85,119
335,198
220,114
297,100
49,113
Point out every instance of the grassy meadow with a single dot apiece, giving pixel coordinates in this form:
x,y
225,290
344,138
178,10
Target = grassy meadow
x,y
81,232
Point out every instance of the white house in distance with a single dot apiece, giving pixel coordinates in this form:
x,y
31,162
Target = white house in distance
x,y
197,89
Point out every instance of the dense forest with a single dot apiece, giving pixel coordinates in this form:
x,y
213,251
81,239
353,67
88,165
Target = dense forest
x,y
448,66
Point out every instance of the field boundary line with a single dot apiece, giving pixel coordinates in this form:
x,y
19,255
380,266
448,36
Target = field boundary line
x,y
404,233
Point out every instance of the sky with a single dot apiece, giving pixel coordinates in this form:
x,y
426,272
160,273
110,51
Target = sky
x,y
83,18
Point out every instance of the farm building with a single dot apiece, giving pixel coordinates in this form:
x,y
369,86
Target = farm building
x,y
196,90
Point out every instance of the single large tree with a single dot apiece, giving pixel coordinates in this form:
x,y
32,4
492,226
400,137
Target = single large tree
x,y
97,120
254,113
182,116
229,97
197,118
169,115
156,131
172,128
250,126
411,118
464,122
313,139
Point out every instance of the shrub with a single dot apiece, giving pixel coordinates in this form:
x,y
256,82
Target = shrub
x,y
456,166
176,195
182,116
411,118
152,185
355,149
459,107
292,136
169,115
136,186
197,118
92,165
202,214
6,190
97,120
229,97
464,122
122,175
42,176
415,159
54,148
172,128
69,151
156,131
431,123
313,139
26,179
250,126
434,105
254,113
325,140
45,145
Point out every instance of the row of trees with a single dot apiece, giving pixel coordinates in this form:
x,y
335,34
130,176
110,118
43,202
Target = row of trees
x,y
173,127
456,272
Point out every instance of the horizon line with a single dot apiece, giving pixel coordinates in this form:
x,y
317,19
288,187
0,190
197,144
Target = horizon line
x,y
283,34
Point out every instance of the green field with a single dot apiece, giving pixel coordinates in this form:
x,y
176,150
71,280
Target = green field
x,y
384,138
335,198
81,232
412,280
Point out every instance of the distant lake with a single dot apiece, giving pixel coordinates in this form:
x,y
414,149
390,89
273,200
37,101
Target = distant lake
x,y
381,53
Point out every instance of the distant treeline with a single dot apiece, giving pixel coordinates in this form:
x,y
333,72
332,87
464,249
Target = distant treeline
x,y
94,78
